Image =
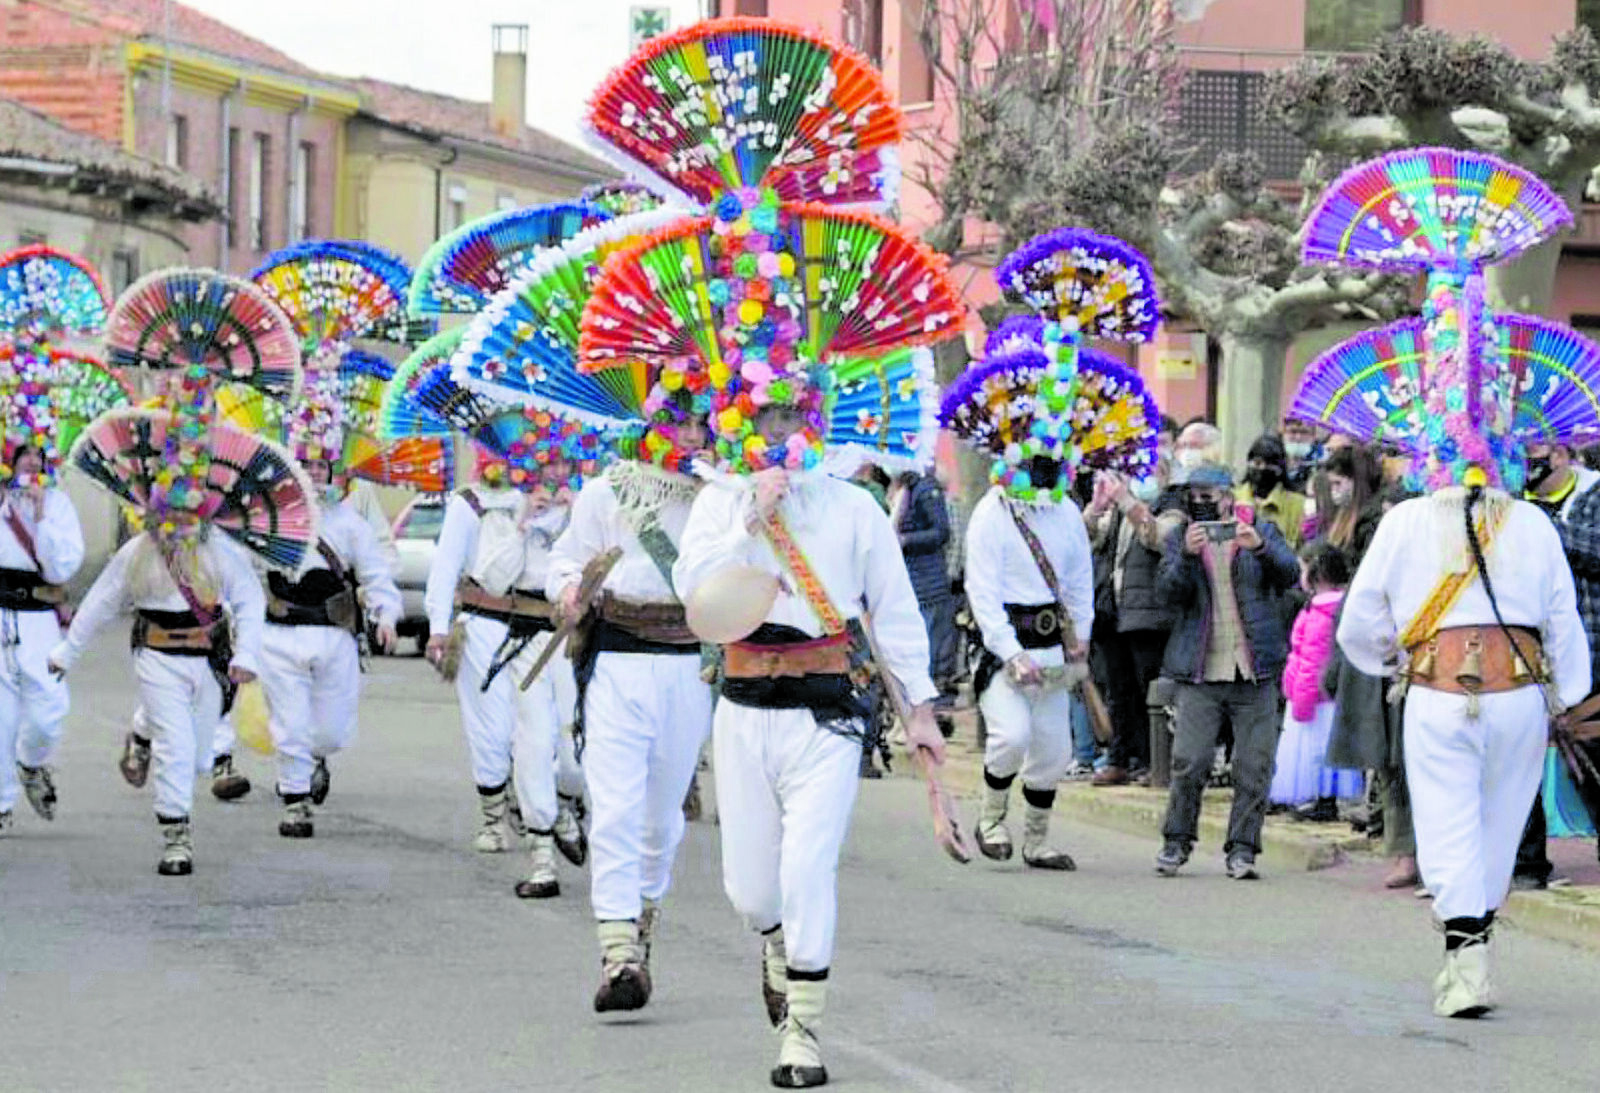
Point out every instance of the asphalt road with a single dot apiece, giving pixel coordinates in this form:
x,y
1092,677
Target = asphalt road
x,y
386,955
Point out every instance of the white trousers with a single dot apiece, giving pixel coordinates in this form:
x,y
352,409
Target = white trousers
x,y
312,679
33,702
182,705
785,790
1472,782
1029,731
512,732
645,718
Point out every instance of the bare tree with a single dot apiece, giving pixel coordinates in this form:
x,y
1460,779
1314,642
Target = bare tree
x,y
1423,86
1065,113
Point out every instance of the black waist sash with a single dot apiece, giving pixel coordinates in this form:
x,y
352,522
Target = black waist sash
x,y
830,697
19,591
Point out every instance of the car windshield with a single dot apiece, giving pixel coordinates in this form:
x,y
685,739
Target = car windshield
x,y
423,522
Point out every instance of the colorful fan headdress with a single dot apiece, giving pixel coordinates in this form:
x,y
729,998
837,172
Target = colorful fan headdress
x,y
337,291
1462,389
46,297
1075,407
768,296
516,443
242,483
621,198
465,269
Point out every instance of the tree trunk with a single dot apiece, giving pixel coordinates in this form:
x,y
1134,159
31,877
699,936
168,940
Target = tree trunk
x,y
1248,399
1527,285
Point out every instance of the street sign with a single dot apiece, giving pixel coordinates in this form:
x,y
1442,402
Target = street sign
x,y
647,21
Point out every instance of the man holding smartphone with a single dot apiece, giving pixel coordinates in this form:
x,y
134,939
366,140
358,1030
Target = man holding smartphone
x,y
1220,575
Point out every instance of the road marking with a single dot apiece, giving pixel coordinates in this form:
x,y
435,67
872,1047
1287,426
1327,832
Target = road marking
x,y
913,1077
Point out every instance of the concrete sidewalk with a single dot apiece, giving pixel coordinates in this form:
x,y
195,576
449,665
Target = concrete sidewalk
x,y
1569,913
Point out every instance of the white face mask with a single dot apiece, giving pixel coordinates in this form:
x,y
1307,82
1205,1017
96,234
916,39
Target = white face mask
x,y
1146,490
1297,449
1190,458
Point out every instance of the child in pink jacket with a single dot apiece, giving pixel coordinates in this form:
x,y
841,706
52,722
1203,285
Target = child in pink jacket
x,y
1300,775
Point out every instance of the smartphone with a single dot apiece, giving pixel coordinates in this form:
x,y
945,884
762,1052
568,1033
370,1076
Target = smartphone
x,y
1220,531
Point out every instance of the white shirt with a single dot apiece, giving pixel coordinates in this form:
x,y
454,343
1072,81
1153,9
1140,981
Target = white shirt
x,y
598,524
1527,567
457,550
363,498
110,596
57,539
851,546
1001,570
353,542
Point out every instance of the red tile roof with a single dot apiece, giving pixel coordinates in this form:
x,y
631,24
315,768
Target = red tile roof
x,y
148,19
444,115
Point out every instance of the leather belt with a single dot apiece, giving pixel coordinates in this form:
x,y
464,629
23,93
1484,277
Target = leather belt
x,y
516,604
194,639
1038,626
663,623
1478,660
828,656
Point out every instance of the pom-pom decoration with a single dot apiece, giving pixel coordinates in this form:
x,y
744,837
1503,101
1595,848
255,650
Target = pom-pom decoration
x,y
621,198
209,325
465,269
1091,286
526,448
84,389
47,293
336,292
242,483
29,417
732,103
1014,331
1432,209
1111,424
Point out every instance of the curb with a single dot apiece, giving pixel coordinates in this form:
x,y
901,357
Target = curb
x,y
1570,915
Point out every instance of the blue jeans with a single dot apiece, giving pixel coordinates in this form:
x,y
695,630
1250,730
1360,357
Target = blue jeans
x,y
1083,744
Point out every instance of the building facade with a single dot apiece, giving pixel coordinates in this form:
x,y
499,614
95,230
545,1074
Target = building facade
x,y
166,82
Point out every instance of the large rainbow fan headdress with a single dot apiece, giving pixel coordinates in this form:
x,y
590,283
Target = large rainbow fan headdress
x,y
776,294
1041,393
465,269
48,391
1462,389
517,443
207,334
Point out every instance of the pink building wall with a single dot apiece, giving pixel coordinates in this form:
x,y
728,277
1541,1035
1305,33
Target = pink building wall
x,y
1526,28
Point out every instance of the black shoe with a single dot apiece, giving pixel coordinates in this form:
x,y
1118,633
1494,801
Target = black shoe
x,y
527,889
868,768
227,784
1324,810
321,780
1174,853
1528,882
296,822
627,989
799,1077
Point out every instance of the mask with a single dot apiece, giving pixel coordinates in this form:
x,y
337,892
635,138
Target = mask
x,y
1203,511
1146,490
1264,480
1190,458
1297,449
1044,473
1340,492
1538,471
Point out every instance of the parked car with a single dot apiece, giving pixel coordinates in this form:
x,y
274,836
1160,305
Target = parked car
x,y
416,537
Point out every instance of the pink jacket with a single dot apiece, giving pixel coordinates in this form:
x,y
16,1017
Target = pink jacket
x,y
1310,646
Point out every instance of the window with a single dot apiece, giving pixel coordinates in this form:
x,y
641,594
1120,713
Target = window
x,y
230,187
749,7
28,238
178,142
455,206
863,28
916,73
124,269
260,166
305,171
1343,26
505,201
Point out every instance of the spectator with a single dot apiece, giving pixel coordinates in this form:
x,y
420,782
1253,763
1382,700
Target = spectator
x,y
1269,500
922,520
1367,735
1199,442
1127,541
1300,773
1220,574
875,480
1303,453
1166,438
1355,483
1566,491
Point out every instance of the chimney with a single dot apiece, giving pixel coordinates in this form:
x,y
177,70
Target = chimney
x,y
508,106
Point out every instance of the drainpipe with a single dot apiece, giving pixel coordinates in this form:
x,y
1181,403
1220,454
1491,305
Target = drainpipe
x,y
292,191
225,180
438,192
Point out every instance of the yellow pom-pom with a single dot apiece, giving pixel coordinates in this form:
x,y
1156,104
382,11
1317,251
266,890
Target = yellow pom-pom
x,y
786,265
730,421
754,445
1475,476
750,312
719,374
671,380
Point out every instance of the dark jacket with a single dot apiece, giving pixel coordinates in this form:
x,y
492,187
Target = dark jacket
x,y
1257,576
1140,607
924,536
